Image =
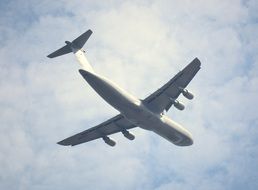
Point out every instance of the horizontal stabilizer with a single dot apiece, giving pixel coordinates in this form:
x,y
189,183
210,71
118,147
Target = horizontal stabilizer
x,y
82,39
78,43
63,50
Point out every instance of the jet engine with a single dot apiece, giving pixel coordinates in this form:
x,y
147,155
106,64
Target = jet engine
x,y
187,93
109,141
128,135
178,105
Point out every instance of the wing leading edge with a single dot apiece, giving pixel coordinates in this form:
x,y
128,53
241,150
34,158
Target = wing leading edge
x,y
164,97
111,126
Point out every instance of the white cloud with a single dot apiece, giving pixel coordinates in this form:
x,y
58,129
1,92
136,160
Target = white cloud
x,y
43,101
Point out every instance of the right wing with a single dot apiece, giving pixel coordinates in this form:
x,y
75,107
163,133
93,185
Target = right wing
x,y
163,98
111,126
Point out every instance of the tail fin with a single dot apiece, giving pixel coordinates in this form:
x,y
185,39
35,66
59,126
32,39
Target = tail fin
x,y
73,46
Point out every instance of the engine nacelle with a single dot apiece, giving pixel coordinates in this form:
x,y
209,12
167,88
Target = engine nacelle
x,y
109,141
186,93
128,135
178,105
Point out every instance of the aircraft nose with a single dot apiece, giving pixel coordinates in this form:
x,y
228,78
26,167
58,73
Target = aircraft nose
x,y
187,141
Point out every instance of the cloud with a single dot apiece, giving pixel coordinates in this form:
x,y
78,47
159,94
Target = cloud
x,y
140,45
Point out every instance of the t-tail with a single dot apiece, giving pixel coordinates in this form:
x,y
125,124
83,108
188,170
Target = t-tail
x,y
76,47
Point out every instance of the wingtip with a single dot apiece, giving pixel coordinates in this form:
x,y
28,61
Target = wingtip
x,y
197,61
62,143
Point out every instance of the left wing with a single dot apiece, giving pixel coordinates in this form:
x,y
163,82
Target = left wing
x,y
113,125
166,96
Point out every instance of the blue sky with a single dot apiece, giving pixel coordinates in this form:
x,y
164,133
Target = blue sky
x,y
140,45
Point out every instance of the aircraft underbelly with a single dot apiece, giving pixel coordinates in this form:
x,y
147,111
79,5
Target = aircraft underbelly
x,y
137,113
110,92
163,129
161,125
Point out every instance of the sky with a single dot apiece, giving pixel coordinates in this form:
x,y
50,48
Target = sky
x,y
140,45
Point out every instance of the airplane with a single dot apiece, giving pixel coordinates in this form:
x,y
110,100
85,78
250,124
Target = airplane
x,y
148,113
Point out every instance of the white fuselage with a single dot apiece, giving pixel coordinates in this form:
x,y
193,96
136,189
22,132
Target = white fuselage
x,y
132,108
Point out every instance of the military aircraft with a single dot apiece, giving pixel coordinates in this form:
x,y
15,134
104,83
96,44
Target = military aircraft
x,y
148,114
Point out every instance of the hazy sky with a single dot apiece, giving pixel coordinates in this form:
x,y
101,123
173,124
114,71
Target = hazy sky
x,y
140,45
